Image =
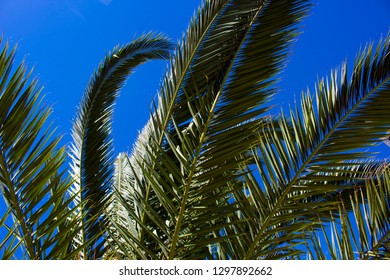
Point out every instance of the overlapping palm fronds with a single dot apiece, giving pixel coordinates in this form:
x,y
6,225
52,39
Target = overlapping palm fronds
x,y
186,162
212,175
322,151
360,233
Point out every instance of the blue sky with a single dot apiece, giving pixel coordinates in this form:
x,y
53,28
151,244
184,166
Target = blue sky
x,y
66,39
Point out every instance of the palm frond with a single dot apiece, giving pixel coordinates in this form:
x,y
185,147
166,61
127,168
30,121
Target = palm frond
x,y
345,119
185,162
91,152
30,163
210,176
362,232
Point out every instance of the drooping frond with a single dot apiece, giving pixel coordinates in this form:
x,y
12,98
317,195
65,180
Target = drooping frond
x,y
330,132
185,163
92,144
31,182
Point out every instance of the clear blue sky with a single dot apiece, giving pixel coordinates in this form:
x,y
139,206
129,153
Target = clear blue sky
x,y
66,39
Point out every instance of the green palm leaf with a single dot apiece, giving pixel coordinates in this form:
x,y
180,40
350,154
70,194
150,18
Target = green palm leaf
x,y
91,151
328,133
185,163
362,232
210,176
30,160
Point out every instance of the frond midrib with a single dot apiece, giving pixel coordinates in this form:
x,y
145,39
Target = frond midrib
x,y
203,133
171,105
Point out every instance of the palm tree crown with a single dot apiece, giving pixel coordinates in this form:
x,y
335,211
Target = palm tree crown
x,y
212,175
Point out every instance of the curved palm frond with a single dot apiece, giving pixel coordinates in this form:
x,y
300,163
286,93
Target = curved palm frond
x,y
91,151
30,161
345,118
185,162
